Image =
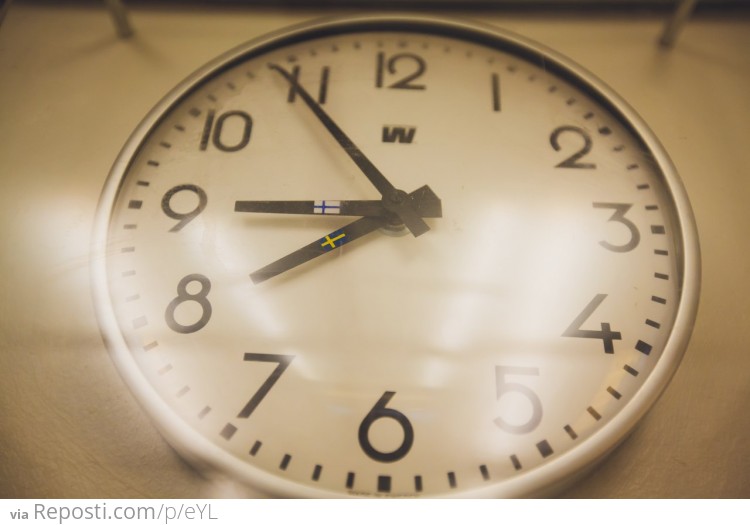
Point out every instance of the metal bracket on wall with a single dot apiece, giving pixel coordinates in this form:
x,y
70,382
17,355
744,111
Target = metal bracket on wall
x,y
668,37
116,8
4,5
676,22
120,18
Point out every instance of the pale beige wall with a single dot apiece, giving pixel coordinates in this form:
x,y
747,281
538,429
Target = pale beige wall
x,y
71,92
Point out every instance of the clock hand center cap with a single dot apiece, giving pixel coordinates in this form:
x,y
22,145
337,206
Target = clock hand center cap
x,y
397,197
393,202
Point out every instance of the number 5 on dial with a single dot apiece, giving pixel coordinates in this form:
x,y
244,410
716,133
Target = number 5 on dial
x,y
506,387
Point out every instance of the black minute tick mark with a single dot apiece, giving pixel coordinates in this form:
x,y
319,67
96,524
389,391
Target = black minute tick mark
x,y
418,483
544,448
228,431
485,472
614,393
384,483
643,347
316,472
452,480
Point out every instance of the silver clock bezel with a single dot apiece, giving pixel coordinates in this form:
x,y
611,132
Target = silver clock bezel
x,y
544,479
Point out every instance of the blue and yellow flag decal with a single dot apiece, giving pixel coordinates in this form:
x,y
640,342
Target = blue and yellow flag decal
x,y
333,240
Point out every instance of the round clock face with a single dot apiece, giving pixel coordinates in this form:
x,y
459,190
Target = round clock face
x,y
395,257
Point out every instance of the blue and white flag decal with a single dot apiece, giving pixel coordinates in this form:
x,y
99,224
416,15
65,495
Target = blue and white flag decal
x,y
327,207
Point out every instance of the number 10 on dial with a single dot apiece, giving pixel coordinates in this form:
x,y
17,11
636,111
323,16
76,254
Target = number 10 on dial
x,y
395,256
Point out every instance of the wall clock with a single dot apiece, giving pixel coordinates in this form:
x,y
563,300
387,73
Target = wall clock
x,y
395,256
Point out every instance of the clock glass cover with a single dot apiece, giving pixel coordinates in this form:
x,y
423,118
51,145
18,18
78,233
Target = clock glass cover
x,y
395,256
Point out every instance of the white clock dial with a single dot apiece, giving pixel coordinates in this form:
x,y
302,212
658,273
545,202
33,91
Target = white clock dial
x,y
395,256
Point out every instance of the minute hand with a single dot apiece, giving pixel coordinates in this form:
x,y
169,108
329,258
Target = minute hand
x,y
394,200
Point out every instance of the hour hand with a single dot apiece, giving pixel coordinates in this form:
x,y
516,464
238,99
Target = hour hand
x,y
424,202
358,208
333,240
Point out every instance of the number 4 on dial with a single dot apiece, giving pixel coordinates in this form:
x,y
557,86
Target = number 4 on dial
x,y
605,334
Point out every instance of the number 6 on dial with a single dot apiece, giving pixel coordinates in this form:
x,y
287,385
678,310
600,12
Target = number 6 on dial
x,y
380,411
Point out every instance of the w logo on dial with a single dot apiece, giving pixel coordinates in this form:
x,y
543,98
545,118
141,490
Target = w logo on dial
x,y
401,134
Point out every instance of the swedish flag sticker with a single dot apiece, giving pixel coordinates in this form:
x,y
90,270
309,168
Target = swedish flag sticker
x,y
333,240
